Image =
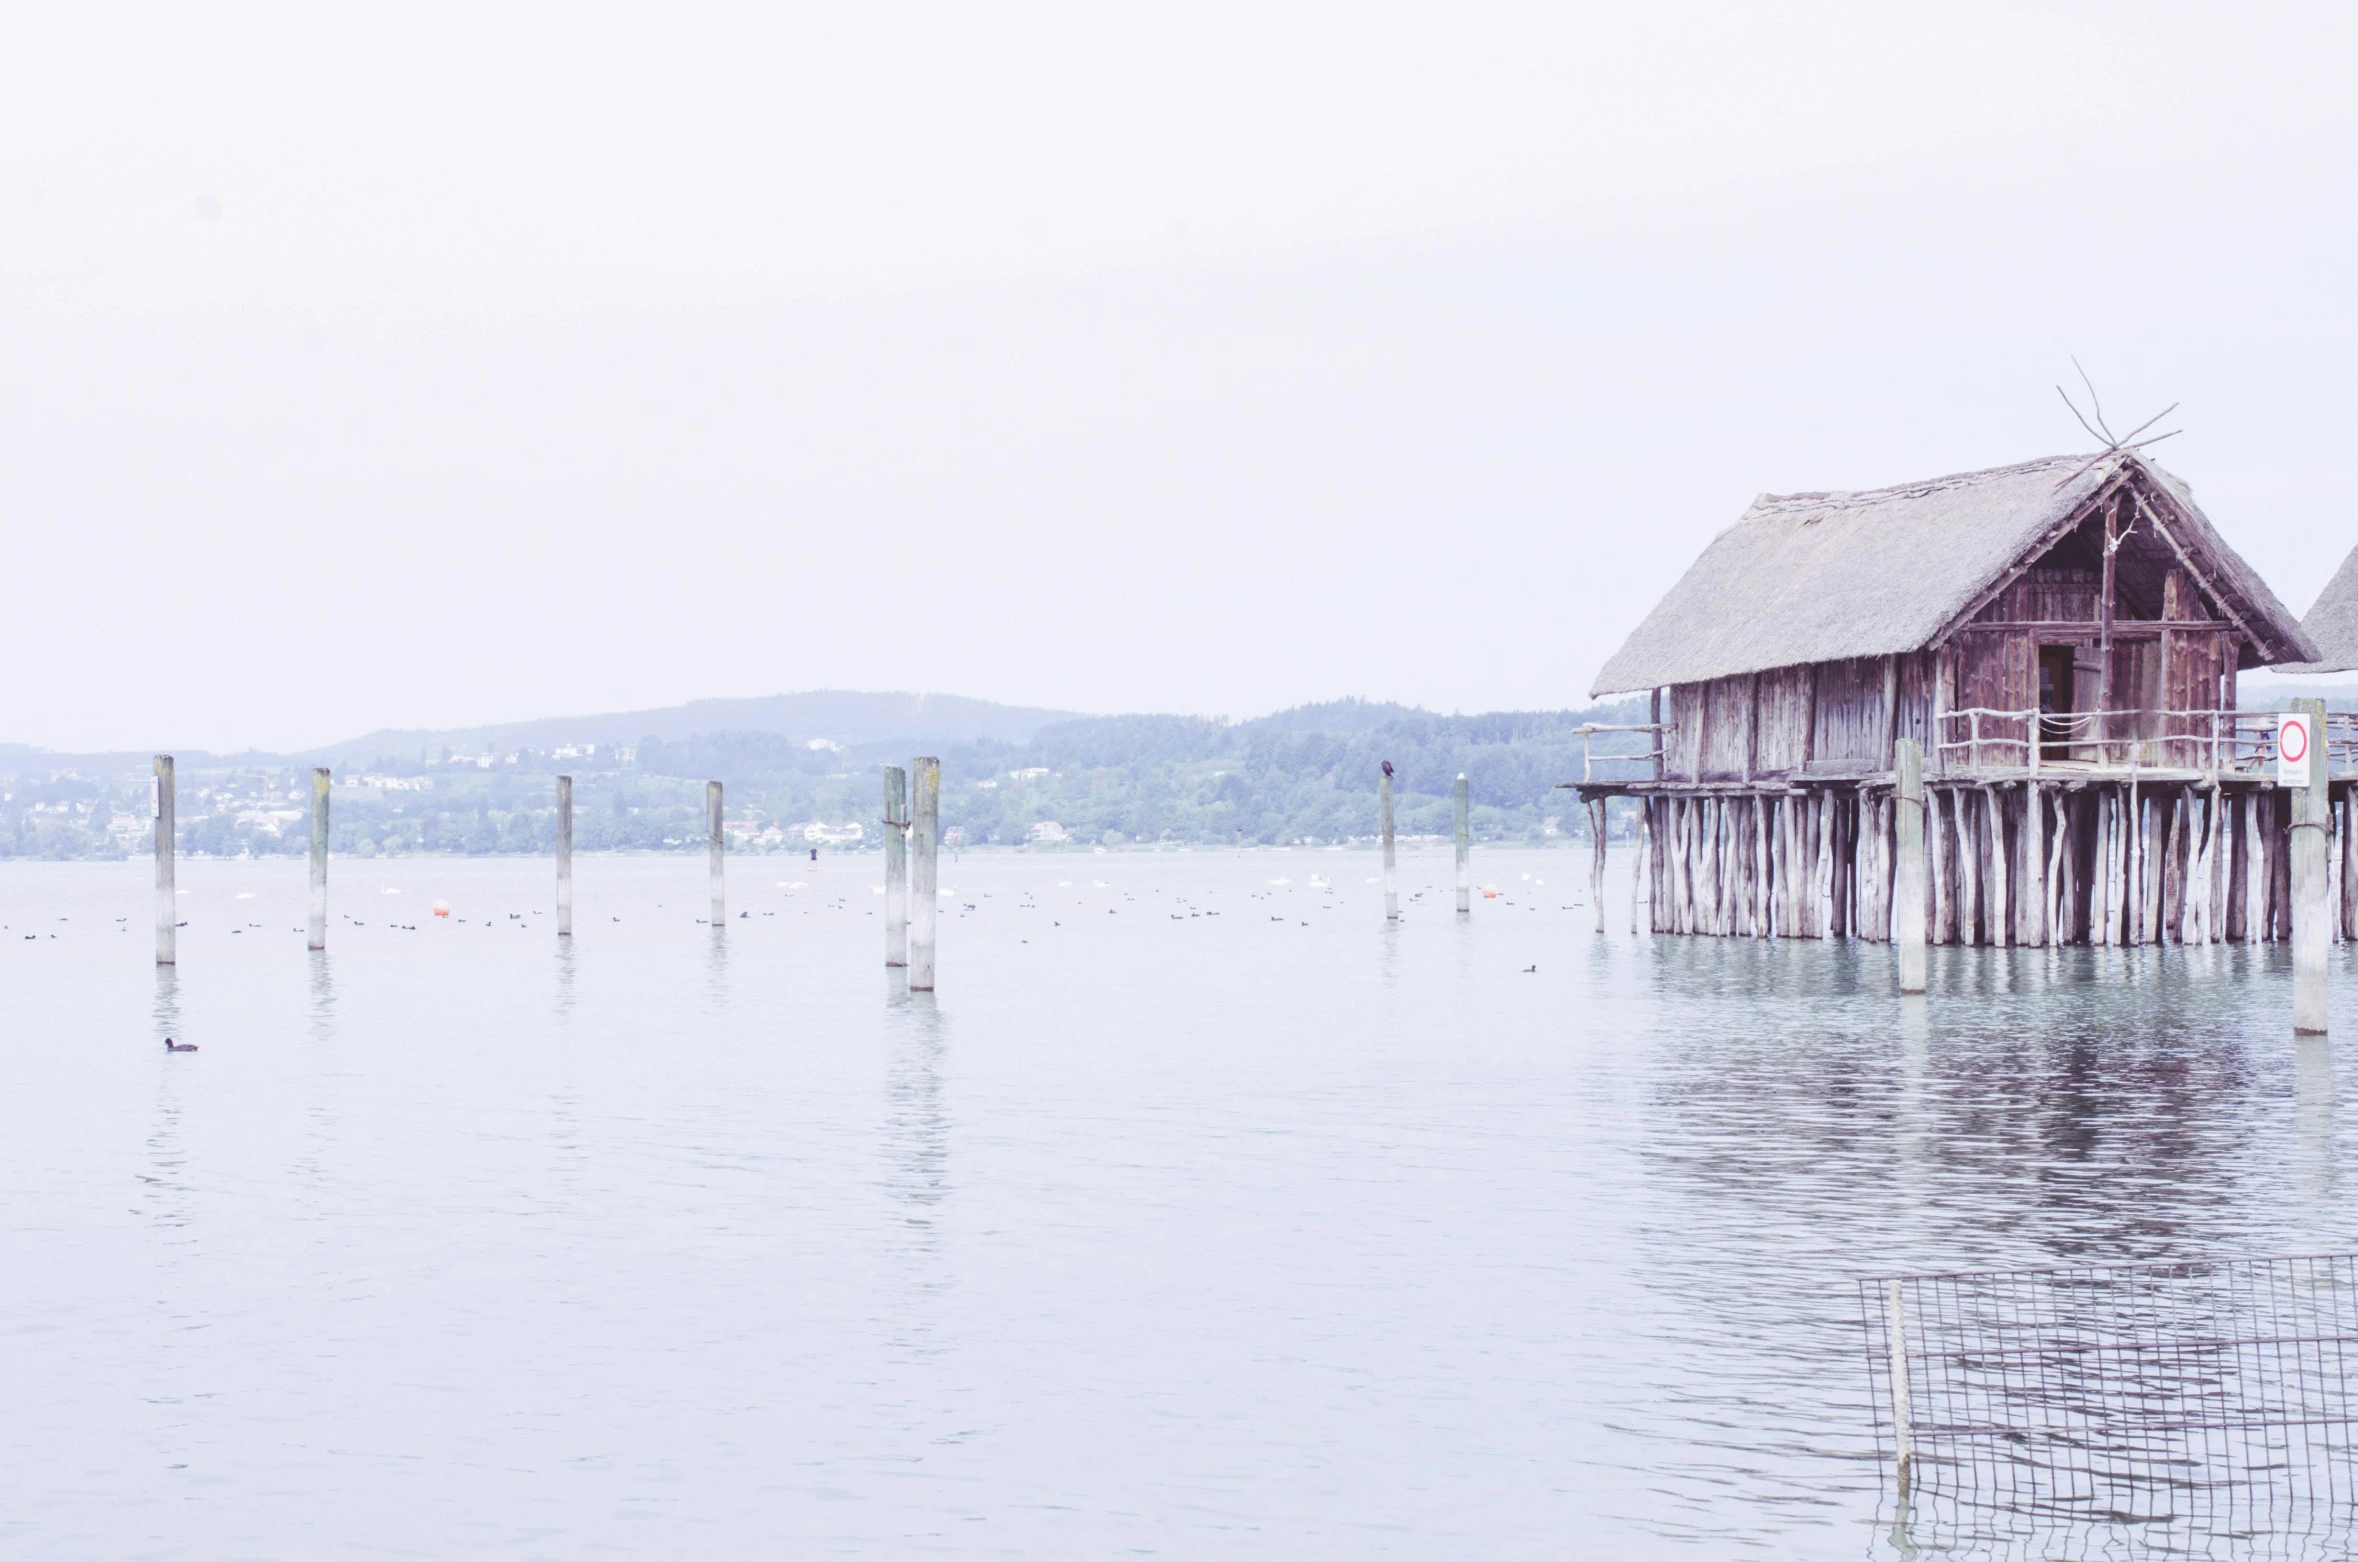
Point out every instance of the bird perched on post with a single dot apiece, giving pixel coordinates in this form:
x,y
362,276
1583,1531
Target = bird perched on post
x,y
1387,767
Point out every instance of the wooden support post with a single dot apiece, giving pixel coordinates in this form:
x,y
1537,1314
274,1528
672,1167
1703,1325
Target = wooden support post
x,y
2349,864
896,867
319,854
2001,923
925,842
1936,860
1640,837
2217,891
1463,834
1384,822
1895,1326
2280,848
1822,845
716,864
2257,925
564,856
2309,881
1708,864
167,893
2034,855
1908,915
1596,872
2174,869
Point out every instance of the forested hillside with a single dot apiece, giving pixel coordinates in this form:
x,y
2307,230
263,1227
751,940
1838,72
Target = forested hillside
x,y
1302,776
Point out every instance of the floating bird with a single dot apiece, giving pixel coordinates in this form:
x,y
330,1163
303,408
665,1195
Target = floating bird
x,y
178,1046
1530,969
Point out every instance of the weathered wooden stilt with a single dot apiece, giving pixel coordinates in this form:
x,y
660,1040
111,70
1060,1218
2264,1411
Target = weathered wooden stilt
x,y
167,892
1596,873
1639,836
2001,922
2307,851
2216,893
1462,836
1908,920
2280,845
319,855
564,856
925,849
716,864
896,867
1391,865
1937,854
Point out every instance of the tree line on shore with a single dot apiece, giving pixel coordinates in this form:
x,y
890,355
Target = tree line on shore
x,y
1302,777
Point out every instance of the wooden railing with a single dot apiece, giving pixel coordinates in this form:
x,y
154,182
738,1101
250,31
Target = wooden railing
x,y
2222,742
1589,728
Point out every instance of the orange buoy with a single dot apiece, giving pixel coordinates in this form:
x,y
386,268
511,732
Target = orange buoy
x,y
442,908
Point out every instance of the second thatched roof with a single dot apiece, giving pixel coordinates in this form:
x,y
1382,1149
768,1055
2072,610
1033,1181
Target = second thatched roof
x,y
1821,577
2332,624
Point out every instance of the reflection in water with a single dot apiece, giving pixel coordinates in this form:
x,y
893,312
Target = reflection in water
x,y
323,997
166,1184
916,1173
2313,1130
716,967
167,1005
564,978
2037,1108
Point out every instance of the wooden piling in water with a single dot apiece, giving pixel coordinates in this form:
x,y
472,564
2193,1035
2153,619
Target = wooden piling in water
x,y
924,870
715,845
1908,914
896,867
167,897
319,855
564,856
1384,820
1462,836
1598,826
1640,842
2307,851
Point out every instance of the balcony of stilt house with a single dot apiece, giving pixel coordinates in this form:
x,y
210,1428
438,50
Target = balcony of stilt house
x,y
2062,638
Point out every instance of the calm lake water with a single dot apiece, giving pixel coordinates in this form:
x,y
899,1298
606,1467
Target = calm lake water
x,y
1199,1215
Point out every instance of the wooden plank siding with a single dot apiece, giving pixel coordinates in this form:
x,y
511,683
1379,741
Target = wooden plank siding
x,y
1785,700
1851,727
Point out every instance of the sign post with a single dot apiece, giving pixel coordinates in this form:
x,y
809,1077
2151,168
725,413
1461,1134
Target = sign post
x,y
2299,734
2293,745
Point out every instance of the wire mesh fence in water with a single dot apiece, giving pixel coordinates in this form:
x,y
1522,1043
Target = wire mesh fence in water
x,y
2197,1398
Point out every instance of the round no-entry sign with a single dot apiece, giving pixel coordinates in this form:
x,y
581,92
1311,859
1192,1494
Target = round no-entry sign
x,y
2292,749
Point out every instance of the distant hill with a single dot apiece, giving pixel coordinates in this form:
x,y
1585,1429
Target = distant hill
x,y
841,716
801,771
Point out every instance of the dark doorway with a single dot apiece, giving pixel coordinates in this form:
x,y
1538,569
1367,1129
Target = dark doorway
x,y
2054,702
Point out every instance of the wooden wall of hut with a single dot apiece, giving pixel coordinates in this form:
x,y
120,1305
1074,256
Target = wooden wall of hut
x,y
2012,863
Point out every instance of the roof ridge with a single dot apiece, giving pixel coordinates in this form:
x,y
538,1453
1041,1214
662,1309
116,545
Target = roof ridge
x,y
1835,498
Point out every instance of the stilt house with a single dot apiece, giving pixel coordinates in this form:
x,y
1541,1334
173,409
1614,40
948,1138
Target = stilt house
x,y
2061,637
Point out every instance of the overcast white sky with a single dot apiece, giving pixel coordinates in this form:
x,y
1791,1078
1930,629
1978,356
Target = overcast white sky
x,y
444,366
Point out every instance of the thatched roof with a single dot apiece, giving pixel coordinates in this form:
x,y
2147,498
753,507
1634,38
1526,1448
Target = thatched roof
x,y
2332,624
1819,577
